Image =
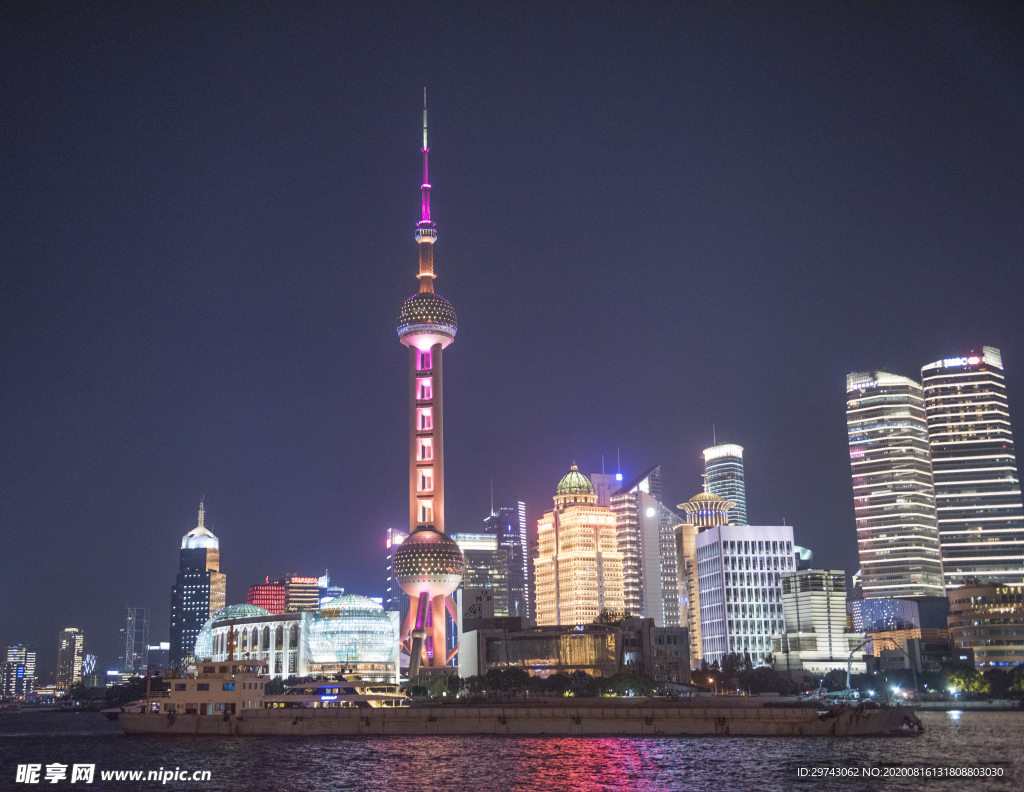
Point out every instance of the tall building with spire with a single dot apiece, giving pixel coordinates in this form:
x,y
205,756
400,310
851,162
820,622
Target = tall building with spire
x,y
977,491
893,493
199,591
428,564
578,567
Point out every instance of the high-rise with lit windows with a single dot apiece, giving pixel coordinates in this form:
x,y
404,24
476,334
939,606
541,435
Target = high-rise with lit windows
x,y
893,492
199,591
69,659
428,564
645,531
723,469
508,524
977,491
578,567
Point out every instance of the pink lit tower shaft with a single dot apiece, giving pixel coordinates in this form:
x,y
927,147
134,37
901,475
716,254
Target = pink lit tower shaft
x,y
429,564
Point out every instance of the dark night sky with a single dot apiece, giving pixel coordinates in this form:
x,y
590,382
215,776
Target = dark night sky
x,y
652,218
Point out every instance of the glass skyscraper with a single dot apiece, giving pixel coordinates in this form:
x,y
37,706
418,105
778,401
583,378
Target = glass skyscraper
x,y
893,493
486,567
508,524
396,599
977,492
723,469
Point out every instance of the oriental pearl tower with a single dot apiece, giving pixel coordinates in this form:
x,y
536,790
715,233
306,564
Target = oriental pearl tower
x,y
429,564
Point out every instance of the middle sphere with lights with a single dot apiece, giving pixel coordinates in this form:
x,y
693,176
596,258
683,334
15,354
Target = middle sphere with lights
x,y
429,561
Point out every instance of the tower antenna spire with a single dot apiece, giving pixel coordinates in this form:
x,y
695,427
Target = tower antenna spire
x,y
426,231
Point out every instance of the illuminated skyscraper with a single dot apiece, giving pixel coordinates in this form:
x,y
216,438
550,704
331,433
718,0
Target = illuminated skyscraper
x,y
486,567
18,672
723,466
428,564
645,530
893,493
199,592
69,658
508,524
977,492
578,568
395,599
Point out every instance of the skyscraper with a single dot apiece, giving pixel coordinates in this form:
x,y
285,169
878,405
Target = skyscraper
x,y
893,492
578,568
508,524
395,599
199,592
645,533
486,567
428,564
133,641
69,658
723,467
977,492
18,677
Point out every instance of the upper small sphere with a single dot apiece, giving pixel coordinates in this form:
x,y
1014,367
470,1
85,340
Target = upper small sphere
x,y
427,308
574,483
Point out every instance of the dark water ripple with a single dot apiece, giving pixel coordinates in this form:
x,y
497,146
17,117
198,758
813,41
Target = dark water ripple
x,y
554,764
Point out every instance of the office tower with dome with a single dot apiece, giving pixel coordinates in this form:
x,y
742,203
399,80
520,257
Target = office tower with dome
x,y
428,564
578,567
199,591
732,580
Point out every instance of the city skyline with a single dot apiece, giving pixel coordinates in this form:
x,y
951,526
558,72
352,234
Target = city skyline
x,y
204,260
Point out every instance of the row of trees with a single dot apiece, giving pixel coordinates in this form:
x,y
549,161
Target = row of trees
x,y
514,682
736,672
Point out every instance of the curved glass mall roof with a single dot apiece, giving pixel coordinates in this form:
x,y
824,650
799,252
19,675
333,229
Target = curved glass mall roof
x,y
351,629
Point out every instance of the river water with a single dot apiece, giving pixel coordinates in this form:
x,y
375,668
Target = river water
x,y
410,764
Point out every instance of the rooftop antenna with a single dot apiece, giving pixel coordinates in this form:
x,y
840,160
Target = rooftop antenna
x,y
714,437
492,497
618,457
602,464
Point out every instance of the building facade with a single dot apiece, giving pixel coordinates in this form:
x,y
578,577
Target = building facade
x,y
486,568
508,524
133,641
199,591
740,570
301,593
988,618
350,635
578,567
645,535
723,471
18,672
269,595
814,638
428,564
631,645
69,659
893,491
395,599
977,491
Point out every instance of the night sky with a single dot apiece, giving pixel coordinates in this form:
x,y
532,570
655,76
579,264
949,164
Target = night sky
x,y
652,219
